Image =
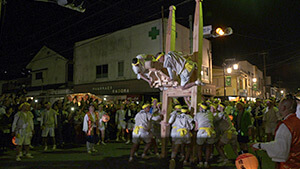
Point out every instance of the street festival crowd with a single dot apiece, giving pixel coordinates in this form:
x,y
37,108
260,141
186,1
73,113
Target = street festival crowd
x,y
27,123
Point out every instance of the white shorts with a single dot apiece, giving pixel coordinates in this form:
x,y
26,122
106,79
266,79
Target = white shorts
x,y
48,130
102,126
122,125
178,139
23,140
142,135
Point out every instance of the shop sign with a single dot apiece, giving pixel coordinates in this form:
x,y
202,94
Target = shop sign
x,y
115,91
102,88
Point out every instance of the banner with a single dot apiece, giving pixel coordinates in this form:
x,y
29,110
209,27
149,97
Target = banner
x,y
228,81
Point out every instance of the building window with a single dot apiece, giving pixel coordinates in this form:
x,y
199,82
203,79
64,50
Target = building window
x,y
102,71
39,76
205,75
120,68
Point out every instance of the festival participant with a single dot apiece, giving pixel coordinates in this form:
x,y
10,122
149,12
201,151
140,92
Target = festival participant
x,y
91,128
121,124
228,134
22,129
173,61
271,118
102,123
171,121
142,131
48,123
257,114
129,119
183,126
285,148
156,125
138,67
204,125
242,123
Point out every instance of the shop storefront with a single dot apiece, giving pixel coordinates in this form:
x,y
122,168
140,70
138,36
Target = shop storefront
x,y
120,90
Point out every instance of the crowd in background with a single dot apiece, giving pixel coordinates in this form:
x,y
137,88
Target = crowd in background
x,y
253,121
69,116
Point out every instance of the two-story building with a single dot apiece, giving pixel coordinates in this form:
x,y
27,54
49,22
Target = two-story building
x,y
240,80
102,65
49,74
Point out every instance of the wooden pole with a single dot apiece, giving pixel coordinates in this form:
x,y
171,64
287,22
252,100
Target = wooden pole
x,y
163,28
167,101
171,30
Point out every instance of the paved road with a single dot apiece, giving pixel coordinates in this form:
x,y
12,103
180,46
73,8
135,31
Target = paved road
x,y
110,156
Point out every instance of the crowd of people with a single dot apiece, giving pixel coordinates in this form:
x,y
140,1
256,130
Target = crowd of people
x,y
37,122
216,123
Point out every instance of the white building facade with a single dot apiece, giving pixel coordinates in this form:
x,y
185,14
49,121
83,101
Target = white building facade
x,y
102,65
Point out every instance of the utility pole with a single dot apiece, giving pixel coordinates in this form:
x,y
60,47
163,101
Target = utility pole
x,y
265,73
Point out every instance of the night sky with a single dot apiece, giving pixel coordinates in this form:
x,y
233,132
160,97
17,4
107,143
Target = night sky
x,y
259,26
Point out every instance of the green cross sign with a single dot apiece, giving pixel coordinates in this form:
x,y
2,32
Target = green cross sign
x,y
228,81
153,33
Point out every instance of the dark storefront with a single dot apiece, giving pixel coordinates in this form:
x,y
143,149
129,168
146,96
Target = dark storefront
x,y
134,89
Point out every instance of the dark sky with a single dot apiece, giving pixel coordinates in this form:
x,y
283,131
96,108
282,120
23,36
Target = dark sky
x,y
270,26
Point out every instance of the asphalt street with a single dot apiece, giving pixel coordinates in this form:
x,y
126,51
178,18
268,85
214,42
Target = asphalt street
x,y
111,156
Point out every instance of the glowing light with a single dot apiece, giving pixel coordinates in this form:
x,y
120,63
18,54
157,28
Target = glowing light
x,y
13,140
281,91
229,70
36,101
105,118
72,108
254,80
104,98
220,31
201,72
235,66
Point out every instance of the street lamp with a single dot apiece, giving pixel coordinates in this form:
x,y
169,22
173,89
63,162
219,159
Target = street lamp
x,y
235,66
229,70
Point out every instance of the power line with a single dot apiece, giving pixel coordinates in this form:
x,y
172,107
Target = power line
x,y
118,18
37,42
68,49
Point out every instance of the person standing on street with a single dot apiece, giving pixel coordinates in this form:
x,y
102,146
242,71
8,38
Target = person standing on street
x,y
48,123
286,146
22,129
